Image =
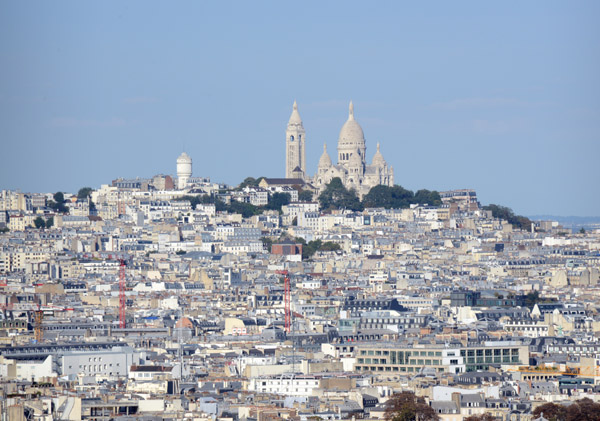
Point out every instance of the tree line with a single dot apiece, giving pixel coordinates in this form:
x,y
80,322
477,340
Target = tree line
x,y
337,196
502,212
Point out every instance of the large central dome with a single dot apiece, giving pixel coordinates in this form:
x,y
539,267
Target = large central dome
x,y
351,135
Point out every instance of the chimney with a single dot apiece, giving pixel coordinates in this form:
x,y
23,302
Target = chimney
x,y
456,399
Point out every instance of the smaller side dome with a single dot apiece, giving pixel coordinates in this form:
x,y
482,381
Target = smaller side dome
x,y
325,160
378,159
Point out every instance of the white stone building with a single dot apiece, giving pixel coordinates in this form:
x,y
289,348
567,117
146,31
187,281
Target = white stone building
x,y
351,167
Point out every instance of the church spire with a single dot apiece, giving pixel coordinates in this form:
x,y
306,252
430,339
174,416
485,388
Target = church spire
x,y
295,117
351,111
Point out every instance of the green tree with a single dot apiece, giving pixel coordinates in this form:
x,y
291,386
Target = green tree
x,y
50,222
39,222
582,230
305,196
336,196
483,417
396,197
277,200
59,197
267,243
84,193
329,246
250,182
245,209
502,212
58,203
406,406
427,197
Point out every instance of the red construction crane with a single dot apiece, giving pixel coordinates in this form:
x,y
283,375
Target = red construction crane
x,y
122,321
287,295
38,329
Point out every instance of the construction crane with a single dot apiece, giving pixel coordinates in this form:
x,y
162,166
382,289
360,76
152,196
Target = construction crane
x,y
122,259
122,302
287,298
38,330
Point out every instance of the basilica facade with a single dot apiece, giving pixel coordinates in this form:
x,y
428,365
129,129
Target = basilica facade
x,y
351,166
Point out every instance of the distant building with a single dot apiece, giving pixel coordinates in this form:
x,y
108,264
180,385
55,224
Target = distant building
x,y
351,167
184,170
287,248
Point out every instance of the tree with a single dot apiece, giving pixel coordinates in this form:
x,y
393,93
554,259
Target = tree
x,y
336,196
426,197
245,209
329,246
50,222
59,197
551,411
278,200
406,406
581,410
502,212
39,222
250,182
58,203
305,196
395,197
267,243
582,230
84,193
482,417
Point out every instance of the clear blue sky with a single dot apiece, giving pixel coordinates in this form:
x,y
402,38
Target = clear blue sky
x,y
503,97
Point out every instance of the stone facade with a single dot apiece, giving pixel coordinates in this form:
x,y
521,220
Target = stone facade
x,y
351,167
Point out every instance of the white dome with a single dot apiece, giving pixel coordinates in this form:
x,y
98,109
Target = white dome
x,y
184,158
351,135
325,160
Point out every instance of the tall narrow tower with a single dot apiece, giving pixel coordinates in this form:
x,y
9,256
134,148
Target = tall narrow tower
x,y
184,170
295,138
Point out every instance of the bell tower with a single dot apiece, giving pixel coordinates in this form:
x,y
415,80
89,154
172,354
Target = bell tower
x,y
295,152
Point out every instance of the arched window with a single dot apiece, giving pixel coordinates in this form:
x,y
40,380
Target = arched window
x,y
299,138
291,138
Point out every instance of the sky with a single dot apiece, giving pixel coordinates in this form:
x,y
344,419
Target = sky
x,y
501,97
